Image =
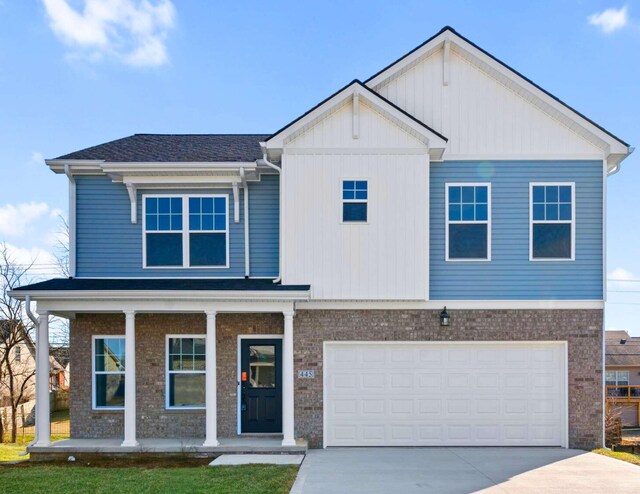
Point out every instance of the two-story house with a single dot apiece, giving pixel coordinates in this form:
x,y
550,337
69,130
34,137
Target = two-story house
x,y
417,260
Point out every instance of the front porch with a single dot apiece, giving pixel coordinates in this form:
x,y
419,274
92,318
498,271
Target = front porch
x,y
188,447
128,389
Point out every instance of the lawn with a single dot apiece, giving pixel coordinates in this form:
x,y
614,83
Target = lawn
x,y
10,451
81,479
628,457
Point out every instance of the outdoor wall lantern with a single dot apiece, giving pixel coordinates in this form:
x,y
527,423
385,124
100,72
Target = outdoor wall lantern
x,y
444,317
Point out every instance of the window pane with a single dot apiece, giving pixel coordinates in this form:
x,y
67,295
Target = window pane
x,y
565,193
623,378
565,212
551,193
552,241
187,390
552,212
164,205
152,222
151,205
262,365
164,249
220,222
208,249
194,222
164,222
455,212
481,194
454,195
482,212
207,205
109,390
194,205
361,194
538,193
348,194
611,377
538,212
361,185
348,185
468,194
109,354
176,222
468,241
207,222
468,212
220,204
176,205
354,212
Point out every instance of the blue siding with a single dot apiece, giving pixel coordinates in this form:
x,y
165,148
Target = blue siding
x,y
109,245
264,226
510,274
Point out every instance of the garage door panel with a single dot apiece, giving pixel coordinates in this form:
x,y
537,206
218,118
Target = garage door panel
x,y
426,394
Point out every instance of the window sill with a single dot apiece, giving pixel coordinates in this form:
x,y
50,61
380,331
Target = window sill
x,y
186,410
107,411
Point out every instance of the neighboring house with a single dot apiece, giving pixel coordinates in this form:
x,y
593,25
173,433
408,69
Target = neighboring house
x,y
23,362
622,378
296,282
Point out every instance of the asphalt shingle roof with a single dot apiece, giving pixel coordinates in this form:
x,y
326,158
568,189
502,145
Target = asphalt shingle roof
x,y
175,148
621,354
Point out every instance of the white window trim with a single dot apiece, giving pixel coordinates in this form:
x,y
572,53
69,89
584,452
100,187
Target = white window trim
x,y
95,337
185,231
343,201
166,367
572,222
447,185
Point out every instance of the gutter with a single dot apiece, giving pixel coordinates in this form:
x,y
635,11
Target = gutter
x,y
265,161
630,150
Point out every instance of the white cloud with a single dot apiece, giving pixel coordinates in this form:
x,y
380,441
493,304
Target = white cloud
x,y
610,20
618,277
133,31
15,219
37,158
41,259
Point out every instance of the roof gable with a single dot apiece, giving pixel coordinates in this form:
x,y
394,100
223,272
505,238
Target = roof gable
x,y
448,41
354,94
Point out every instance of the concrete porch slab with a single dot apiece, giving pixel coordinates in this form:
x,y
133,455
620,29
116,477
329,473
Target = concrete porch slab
x,y
186,446
257,459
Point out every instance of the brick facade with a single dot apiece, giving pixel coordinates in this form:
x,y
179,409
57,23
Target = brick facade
x,y
581,328
154,420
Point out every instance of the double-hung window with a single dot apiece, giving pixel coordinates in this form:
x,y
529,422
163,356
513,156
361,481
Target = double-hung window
x,y
355,197
619,380
188,231
186,373
468,228
108,372
552,224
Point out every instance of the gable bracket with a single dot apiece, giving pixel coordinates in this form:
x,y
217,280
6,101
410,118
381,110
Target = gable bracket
x,y
236,203
446,62
356,115
131,189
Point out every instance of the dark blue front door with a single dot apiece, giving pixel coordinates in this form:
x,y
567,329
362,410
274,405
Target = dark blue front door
x,y
261,385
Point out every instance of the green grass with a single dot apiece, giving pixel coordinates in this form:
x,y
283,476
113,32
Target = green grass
x,y
10,451
618,455
247,479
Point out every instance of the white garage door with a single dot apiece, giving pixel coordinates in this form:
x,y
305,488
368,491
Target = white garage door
x,y
434,394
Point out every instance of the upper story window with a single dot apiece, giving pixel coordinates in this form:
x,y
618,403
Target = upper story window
x,y
552,225
186,372
468,228
108,372
18,353
186,231
617,378
355,196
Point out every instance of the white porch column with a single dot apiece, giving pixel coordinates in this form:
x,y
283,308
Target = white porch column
x,y
43,425
288,438
130,380
211,382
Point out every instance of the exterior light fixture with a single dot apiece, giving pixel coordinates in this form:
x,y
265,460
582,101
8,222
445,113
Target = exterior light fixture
x,y
444,317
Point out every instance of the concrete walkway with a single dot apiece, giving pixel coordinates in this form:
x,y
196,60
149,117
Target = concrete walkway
x,y
463,470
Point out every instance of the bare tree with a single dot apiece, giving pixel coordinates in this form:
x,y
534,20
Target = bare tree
x,y
62,247
16,378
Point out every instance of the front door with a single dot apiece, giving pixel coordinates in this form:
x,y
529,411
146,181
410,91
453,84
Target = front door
x,y
261,385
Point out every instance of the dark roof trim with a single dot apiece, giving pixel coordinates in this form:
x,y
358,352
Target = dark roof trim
x,y
360,84
164,284
450,29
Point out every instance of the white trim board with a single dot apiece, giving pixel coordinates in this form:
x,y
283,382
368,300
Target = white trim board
x,y
450,304
239,369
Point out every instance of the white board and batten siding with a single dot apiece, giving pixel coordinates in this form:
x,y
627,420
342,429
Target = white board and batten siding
x,y
386,258
445,394
479,115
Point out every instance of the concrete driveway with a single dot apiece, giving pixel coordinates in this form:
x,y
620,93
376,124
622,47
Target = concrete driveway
x,y
463,470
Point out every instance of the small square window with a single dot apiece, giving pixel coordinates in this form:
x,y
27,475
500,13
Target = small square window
x,y
355,195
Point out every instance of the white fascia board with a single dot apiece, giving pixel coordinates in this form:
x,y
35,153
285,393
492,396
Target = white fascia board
x,y
609,144
164,295
450,304
102,167
429,138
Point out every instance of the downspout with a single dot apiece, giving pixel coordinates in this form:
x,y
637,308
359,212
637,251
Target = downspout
x,y
265,161
72,221
245,188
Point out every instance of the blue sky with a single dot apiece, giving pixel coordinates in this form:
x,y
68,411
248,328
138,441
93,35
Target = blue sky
x,y
77,73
